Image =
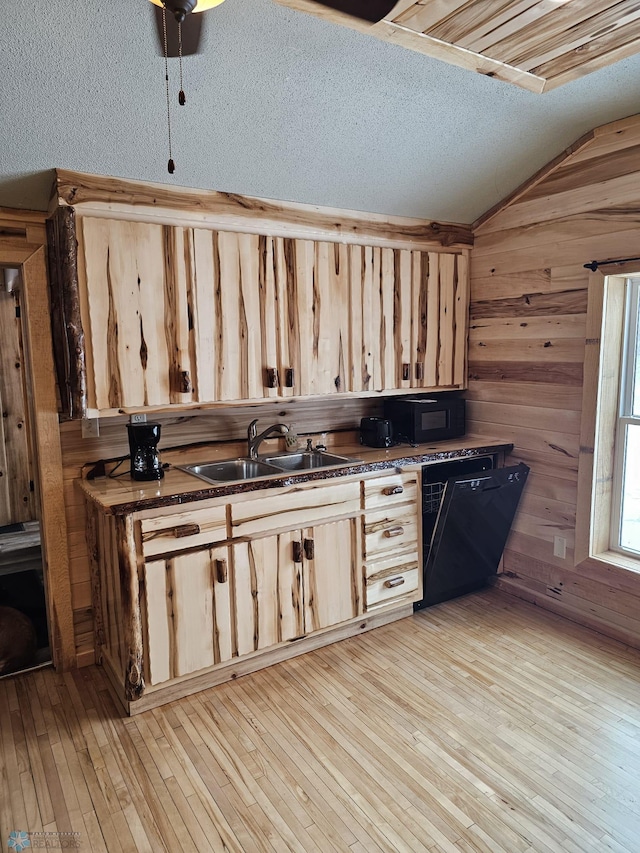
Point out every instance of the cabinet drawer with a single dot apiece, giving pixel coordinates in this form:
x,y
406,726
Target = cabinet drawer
x,y
187,529
296,506
390,489
392,578
394,529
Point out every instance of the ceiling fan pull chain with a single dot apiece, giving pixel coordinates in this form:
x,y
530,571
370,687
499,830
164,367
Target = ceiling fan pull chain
x,y
171,166
182,98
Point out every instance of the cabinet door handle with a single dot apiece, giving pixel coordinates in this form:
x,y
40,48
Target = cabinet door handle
x,y
272,377
393,531
393,490
222,572
289,377
185,382
186,530
419,370
393,582
406,371
309,549
297,552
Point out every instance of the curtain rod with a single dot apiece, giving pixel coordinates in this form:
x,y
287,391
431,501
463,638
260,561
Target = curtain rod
x,y
593,266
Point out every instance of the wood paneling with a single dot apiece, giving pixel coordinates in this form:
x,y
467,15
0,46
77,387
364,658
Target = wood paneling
x,y
17,500
536,44
529,304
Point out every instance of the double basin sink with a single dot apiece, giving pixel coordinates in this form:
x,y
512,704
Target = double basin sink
x,y
244,468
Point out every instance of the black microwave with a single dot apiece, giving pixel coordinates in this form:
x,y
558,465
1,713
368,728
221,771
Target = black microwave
x,y
421,420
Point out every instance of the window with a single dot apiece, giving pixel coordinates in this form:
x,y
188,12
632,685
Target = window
x,y
608,506
625,515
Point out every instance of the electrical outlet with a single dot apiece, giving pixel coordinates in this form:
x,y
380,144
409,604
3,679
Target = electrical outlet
x,y
140,418
90,427
560,547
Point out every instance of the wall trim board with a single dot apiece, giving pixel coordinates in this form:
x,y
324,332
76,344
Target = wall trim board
x,y
136,200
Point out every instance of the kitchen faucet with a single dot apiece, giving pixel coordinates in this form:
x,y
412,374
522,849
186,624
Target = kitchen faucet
x,y
254,440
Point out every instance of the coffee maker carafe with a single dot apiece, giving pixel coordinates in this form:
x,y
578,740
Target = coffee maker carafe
x,y
143,446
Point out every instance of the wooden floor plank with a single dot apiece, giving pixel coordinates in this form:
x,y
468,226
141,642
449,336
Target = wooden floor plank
x,y
482,725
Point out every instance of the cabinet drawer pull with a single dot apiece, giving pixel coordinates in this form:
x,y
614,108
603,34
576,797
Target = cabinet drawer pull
x,y
186,530
406,372
419,370
289,377
297,552
393,531
272,377
309,549
393,582
222,573
393,490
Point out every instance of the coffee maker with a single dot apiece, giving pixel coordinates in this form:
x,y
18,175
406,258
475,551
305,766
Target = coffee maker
x,y
143,446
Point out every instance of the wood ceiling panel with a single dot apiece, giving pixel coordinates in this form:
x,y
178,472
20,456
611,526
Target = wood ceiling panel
x,y
536,44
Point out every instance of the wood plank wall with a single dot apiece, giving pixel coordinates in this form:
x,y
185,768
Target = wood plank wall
x,y
183,437
526,358
17,502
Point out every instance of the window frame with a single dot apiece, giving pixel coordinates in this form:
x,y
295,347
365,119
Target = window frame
x,y
626,418
600,413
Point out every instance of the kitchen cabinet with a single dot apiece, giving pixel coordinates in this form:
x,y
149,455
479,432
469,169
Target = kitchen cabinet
x,y
392,566
187,611
225,585
295,582
408,319
176,315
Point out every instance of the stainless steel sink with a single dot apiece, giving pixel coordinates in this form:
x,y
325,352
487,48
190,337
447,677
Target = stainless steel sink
x,y
231,469
305,460
244,468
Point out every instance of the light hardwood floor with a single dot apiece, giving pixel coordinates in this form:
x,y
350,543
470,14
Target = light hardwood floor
x,y
483,724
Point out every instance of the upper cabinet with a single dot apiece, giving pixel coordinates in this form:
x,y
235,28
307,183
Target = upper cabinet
x,y
173,314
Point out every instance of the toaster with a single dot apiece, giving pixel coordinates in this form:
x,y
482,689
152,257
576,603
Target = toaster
x,y
376,432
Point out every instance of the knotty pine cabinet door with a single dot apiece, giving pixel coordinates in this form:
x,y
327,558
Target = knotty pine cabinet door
x,y
332,573
186,613
294,583
409,319
305,294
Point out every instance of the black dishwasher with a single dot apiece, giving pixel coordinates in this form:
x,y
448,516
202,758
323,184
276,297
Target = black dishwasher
x,y
467,510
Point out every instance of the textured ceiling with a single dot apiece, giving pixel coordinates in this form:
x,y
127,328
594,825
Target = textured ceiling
x,y
280,105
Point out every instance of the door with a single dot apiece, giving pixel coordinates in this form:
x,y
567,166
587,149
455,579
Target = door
x,y
186,613
289,584
440,294
17,500
409,319
24,628
267,591
135,280
332,574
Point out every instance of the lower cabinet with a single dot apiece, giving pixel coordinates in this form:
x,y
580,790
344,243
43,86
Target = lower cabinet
x,y
186,613
179,594
294,583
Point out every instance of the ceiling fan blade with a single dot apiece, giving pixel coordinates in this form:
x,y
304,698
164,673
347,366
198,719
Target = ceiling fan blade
x,y
191,33
366,10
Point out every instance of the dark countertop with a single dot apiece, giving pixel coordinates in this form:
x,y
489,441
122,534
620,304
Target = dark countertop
x,y
123,495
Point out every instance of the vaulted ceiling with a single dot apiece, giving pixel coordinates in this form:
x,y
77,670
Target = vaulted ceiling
x,y
536,44
280,105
